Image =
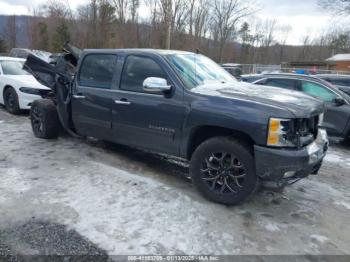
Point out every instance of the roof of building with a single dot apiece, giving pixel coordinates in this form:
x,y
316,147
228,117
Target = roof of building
x,y
339,58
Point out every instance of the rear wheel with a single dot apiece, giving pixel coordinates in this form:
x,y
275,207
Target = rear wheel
x,y
44,119
223,170
11,101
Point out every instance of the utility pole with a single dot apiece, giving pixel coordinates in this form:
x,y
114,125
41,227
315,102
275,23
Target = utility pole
x,y
167,9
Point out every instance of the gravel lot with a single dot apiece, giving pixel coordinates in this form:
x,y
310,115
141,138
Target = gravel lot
x,y
70,196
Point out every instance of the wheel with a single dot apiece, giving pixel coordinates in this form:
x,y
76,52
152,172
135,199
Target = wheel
x,y
223,170
11,101
44,119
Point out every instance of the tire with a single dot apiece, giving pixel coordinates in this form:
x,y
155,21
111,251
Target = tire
x,y
11,101
44,119
223,170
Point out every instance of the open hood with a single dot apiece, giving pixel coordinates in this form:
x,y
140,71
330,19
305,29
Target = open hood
x,y
59,77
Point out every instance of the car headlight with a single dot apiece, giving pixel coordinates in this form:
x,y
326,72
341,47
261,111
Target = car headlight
x,y
281,133
30,90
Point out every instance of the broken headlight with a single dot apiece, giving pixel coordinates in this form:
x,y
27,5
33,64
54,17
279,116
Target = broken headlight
x,y
281,133
293,132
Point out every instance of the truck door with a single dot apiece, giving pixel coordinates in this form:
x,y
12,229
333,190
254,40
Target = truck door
x,y
336,117
150,121
92,96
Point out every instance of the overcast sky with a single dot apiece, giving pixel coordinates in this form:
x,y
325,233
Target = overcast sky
x,y
304,16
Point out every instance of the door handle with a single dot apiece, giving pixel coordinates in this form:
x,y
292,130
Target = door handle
x,y
79,97
122,101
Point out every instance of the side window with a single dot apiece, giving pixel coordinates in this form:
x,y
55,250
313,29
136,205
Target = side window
x,y
318,91
341,82
97,71
283,83
260,82
136,70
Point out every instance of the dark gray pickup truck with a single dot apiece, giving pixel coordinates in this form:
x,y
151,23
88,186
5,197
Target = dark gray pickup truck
x,y
183,104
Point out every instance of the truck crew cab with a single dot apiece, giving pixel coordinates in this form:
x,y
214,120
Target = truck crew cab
x,y
183,104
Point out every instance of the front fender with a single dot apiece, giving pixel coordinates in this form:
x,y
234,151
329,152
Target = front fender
x,y
240,116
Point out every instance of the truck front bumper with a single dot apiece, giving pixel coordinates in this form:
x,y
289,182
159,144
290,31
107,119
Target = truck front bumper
x,y
287,164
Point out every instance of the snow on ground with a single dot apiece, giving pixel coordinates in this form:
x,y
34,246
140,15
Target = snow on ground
x,y
129,202
343,204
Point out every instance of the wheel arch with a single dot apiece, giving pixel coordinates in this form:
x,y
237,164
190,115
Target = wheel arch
x,y
199,134
5,88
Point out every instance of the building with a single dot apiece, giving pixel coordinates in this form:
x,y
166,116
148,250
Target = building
x,y
339,62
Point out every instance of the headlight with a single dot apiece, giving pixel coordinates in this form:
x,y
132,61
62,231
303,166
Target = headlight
x,y
280,133
30,90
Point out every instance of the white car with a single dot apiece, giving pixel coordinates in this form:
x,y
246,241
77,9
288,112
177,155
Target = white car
x,y
18,88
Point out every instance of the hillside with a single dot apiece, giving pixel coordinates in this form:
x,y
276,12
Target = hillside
x,y
21,27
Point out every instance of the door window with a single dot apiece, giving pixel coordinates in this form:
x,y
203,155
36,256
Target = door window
x,y
318,91
340,82
97,71
283,83
136,70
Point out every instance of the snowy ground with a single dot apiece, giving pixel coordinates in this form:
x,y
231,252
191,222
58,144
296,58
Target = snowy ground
x,y
124,201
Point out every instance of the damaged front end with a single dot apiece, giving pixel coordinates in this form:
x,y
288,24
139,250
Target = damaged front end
x,y
287,166
295,149
58,76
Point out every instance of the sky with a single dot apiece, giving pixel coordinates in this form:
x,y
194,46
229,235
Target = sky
x,y
304,16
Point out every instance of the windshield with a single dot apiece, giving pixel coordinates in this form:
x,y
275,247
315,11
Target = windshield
x,y
13,68
195,70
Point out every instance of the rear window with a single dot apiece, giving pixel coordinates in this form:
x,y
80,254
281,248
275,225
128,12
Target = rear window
x,y
97,71
283,83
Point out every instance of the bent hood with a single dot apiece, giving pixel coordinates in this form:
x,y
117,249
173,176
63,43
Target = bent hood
x,y
26,81
298,103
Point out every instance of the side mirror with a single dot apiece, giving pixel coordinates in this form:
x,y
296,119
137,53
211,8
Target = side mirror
x,y
156,85
338,101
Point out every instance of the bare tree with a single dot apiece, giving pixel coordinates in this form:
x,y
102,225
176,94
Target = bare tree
x,y
134,6
284,33
121,7
339,7
225,16
166,9
11,31
198,21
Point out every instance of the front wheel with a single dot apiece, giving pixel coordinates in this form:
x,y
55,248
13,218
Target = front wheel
x,y
44,119
223,170
11,101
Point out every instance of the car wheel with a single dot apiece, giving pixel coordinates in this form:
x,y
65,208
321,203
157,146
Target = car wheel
x,y
223,170
44,119
11,101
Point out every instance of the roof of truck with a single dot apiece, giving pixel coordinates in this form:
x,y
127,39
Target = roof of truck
x,y
138,50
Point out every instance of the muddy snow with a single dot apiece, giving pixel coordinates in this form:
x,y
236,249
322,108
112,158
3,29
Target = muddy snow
x,y
126,201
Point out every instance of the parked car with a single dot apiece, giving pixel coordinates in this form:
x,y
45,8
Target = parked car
x,y
233,69
184,104
337,115
18,89
342,82
251,78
